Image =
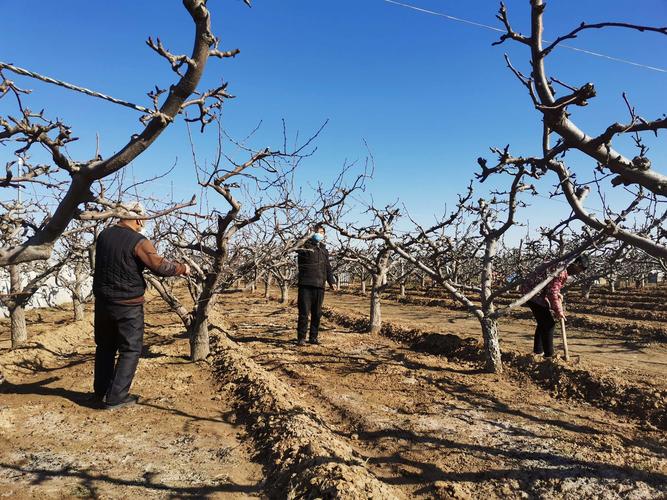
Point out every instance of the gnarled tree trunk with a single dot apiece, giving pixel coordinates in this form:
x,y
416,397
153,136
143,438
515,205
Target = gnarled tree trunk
x,y
200,346
18,328
284,293
492,354
267,286
199,338
376,308
79,309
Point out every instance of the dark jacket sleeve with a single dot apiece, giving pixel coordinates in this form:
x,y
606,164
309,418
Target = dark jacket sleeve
x,y
330,276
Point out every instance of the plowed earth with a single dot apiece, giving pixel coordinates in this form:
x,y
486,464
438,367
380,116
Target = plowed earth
x,y
177,443
435,428
359,416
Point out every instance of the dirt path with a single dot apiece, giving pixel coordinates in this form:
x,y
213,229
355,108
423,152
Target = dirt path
x,y
597,347
440,429
176,444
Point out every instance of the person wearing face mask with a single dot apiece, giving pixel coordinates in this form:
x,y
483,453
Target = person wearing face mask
x,y
121,255
314,271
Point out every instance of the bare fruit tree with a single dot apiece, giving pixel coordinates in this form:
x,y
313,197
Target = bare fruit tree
x,y
432,250
78,245
26,129
611,168
376,260
16,222
215,243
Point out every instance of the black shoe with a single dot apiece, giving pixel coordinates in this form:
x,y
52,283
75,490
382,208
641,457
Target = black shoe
x,y
94,400
314,341
129,400
301,342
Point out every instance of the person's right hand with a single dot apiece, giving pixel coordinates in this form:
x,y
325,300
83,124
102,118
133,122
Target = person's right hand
x,y
187,270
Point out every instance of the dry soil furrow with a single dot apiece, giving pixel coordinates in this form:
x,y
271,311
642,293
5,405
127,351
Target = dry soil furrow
x,y
436,428
176,443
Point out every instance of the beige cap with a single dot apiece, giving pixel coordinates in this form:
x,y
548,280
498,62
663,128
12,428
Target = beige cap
x,y
132,210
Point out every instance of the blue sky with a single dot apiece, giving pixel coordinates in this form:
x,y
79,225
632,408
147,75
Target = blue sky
x,y
428,95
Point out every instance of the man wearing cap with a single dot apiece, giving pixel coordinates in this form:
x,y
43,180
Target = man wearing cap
x,y
121,255
314,271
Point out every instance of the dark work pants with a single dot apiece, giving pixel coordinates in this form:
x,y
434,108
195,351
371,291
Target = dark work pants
x,y
544,333
118,329
310,304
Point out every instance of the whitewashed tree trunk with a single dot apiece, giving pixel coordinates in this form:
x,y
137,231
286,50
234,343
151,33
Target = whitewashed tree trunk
x,y
18,328
79,309
199,338
363,286
284,293
376,307
492,354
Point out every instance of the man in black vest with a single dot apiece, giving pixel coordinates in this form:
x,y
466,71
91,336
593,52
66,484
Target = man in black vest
x,y
121,255
314,271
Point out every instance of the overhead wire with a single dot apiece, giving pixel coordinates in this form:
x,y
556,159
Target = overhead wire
x,y
498,30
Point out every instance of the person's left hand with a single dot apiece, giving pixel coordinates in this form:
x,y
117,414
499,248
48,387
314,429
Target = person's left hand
x,y
334,288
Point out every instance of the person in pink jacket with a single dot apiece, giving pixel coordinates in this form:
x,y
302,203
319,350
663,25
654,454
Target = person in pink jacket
x,y
547,306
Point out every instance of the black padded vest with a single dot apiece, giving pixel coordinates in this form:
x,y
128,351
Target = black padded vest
x,y
118,273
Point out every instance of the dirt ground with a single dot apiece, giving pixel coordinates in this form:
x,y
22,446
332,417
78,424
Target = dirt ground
x,y
437,429
177,443
637,358
424,426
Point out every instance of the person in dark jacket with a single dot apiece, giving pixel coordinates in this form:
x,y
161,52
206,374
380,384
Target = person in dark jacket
x,y
314,271
121,255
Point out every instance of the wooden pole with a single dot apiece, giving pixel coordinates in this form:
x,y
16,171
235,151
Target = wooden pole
x,y
562,331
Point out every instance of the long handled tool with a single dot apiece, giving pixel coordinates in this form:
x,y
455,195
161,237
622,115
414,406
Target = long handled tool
x,y
562,331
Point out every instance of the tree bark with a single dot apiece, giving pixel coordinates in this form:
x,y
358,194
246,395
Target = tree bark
x,y
284,293
402,289
363,286
79,310
77,293
199,338
376,308
492,354
267,286
18,329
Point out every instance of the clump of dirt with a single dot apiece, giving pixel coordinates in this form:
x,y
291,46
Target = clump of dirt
x,y
603,390
305,458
